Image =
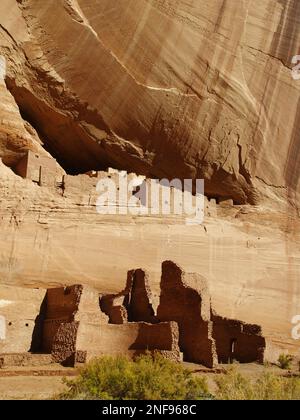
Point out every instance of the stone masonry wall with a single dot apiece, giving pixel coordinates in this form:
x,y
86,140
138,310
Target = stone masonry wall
x,y
238,341
184,304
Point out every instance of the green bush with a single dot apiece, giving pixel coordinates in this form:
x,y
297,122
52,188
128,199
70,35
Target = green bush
x,y
234,386
146,378
285,361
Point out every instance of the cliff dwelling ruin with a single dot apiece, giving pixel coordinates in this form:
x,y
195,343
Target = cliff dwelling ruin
x,y
41,170
45,171
77,323
143,93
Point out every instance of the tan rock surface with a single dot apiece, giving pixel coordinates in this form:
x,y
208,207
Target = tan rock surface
x,y
164,88
169,88
20,308
31,387
250,256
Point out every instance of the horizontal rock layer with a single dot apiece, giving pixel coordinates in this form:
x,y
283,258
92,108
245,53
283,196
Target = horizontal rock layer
x,y
249,256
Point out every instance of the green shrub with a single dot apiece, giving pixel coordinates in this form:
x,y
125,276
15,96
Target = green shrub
x,y
146,378
285,361
234,386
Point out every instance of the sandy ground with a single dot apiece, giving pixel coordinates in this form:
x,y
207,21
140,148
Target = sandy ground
x,y
44,382
39,383
29,387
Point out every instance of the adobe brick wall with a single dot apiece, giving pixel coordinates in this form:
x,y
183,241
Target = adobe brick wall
x,y
190,308
89,307
114,309
204,337
238,341
66,306
38,168
61,307
76,329
21,168
64,342
69,323
162,336
127,339
50,329
63,302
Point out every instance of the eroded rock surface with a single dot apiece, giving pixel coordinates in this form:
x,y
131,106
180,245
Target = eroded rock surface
x,y
161,88
188,89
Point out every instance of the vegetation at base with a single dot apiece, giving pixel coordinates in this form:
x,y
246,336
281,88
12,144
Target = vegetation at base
x,y
285,361
234,386
146,378
152,377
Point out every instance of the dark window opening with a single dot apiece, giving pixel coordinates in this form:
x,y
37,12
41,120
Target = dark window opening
x,y
233,343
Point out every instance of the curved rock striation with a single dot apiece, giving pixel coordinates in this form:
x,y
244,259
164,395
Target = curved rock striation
x,y
164,88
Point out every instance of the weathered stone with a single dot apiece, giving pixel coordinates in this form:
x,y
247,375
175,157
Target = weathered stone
x,y
73,327
216,101
238,341
213,117
22,312
75,330
185,299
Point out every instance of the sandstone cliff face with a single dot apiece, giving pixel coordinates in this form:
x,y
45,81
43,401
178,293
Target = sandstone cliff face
x,y
164,88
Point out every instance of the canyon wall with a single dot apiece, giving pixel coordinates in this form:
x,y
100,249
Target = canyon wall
x,y
187,89
164,88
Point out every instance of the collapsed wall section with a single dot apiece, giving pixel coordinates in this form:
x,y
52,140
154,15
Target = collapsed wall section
x,y
133,304
140,306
